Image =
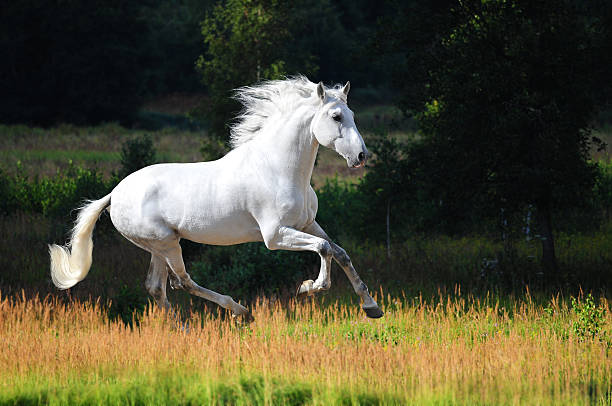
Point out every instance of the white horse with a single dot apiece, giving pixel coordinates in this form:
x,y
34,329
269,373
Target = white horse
x,y
259,191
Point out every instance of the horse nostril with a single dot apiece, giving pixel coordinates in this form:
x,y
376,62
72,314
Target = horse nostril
x,y
361,157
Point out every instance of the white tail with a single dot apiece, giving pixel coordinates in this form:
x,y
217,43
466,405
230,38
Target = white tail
x,y
70,263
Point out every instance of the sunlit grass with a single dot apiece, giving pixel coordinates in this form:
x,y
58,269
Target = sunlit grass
x,y
448,349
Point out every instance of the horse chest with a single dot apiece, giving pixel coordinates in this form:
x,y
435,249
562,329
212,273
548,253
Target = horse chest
x,y
295,207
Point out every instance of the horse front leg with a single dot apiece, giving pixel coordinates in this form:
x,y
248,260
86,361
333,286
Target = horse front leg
x,y
287,238
341,257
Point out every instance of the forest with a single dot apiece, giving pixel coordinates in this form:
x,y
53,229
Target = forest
x,y
487,201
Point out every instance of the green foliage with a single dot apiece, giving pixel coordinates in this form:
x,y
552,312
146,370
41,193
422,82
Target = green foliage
x,y
8,201
56,196
250,269
127,304
591,318
245,42
505,123
603,188
341,209
136,153
248,41
388,187
519,124
171,45
212,148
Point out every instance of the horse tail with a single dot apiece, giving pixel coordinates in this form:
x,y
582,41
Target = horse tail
x,y
70,263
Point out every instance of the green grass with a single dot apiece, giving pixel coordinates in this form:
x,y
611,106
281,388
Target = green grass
x,y
44,151
77,156
175,385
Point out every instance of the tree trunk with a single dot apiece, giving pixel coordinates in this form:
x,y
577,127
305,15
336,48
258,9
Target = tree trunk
x,y
549,259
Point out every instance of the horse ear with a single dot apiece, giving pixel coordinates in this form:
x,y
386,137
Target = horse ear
x,y
346,88
321,91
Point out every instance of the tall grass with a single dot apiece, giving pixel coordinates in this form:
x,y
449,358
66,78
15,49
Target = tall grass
x,y
449,349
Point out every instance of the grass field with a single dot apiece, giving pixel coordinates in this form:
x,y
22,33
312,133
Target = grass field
x,y
477,348
441,350
41,152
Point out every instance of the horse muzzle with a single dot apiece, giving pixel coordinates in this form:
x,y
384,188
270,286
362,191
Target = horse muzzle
x,y
360,161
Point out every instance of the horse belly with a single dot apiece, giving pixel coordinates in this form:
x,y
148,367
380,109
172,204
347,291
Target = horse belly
x,y
224,230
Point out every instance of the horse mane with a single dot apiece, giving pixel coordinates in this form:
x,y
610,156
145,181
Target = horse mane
x,y
269,98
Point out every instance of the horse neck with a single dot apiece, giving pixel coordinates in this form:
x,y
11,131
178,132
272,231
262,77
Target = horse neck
x,y
293,148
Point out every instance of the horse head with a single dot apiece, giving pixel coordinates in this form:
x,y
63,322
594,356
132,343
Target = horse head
x,y
334,126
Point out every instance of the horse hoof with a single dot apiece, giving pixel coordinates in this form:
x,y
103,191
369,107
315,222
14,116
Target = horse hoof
x,y
248,318
305,288
245,318
373,312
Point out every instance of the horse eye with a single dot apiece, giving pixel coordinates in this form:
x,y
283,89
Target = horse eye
x,y
337,117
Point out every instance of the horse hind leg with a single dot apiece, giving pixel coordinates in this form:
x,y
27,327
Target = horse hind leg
x,y
156,281
156,286
174,258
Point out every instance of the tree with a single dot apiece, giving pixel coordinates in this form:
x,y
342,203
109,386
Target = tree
x,y
172,45
386,185
245,41
505,91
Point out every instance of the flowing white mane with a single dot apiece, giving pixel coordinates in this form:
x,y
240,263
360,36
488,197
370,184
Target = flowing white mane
x,y
270,98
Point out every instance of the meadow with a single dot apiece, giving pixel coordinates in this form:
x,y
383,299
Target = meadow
x,y
446,349
455,330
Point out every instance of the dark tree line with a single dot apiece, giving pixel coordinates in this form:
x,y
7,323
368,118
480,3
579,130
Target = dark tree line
x,y
505,93
69,61
90,61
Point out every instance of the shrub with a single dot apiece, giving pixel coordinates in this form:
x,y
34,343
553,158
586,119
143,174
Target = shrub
x,y
212,148
591,318
54,197
249,269
603,188
128,304
341,209
8,201
136,153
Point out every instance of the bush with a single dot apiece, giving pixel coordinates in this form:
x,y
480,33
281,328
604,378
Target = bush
x,y
591,319
603,188
137,153
250,269
341,209
8,201
54,197
212,148
128,304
